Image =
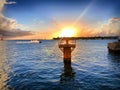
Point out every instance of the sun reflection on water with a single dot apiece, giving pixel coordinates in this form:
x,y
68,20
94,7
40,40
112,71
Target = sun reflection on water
x,y
3,66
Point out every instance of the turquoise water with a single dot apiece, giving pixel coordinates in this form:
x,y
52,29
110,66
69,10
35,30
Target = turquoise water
x,y
40,66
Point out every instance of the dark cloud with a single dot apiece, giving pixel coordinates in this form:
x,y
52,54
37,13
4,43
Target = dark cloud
x,y
15,33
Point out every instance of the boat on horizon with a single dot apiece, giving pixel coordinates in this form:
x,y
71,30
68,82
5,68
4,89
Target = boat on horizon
x,y
29,42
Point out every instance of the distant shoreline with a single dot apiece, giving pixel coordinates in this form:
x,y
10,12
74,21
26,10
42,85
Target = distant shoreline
x,y
91,38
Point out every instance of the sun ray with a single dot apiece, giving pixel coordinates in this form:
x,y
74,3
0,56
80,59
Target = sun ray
x,y
83,13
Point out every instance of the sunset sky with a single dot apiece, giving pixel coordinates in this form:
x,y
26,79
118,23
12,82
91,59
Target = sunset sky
x,y
47,18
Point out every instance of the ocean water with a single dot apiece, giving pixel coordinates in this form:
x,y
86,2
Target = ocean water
x,y
40,66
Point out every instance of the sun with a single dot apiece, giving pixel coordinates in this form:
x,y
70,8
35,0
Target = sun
x,y
67,32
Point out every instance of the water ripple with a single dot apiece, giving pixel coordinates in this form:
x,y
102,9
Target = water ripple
x,y
40,67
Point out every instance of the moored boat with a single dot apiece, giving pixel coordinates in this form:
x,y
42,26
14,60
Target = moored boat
x,y
114,47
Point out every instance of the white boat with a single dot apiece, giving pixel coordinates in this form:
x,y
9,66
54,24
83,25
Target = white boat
x,y
35,41
31,41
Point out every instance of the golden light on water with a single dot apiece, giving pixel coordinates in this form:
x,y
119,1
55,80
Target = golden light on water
x,y
67,32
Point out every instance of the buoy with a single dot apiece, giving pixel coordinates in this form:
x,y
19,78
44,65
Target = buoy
x,y
67,45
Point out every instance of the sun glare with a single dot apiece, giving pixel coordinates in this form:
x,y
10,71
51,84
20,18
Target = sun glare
x,y
67,32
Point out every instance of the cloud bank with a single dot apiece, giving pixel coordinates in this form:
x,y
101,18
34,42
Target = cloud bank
x,y
112,27
8,26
